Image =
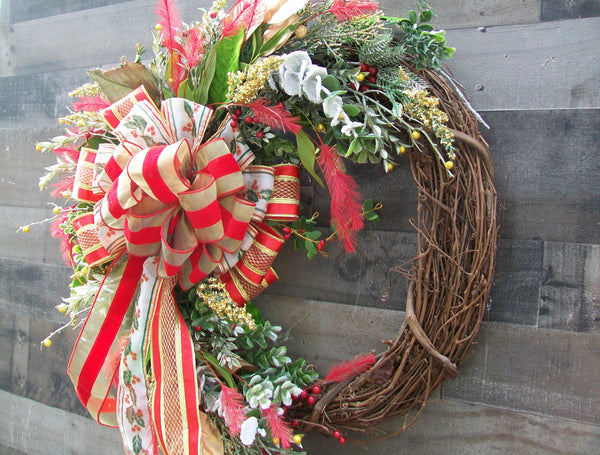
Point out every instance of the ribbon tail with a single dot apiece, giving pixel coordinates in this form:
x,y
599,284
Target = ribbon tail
x,y
175,407
95,358
133,408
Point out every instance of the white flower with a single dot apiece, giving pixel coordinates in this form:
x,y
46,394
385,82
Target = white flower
x,y
332,108
311,85
248,431
291,72
348,128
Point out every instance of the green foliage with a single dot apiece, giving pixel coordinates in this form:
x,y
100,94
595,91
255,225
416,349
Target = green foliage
x,y
421,43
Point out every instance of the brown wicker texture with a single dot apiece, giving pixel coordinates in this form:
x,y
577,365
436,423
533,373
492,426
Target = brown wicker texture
x,y
449,285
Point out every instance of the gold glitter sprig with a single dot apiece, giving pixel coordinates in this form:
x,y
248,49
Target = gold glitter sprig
x,y
243,86
214,296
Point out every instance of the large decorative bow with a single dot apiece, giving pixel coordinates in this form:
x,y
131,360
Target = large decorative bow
x,y
181,208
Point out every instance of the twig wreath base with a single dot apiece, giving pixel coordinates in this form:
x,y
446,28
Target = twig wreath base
x,y
449,286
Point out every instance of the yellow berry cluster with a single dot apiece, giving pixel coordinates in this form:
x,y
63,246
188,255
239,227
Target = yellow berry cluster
x,y
424,108
243,86
214,296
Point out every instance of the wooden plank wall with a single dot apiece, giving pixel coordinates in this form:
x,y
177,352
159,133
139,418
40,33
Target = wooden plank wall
x,y
531,385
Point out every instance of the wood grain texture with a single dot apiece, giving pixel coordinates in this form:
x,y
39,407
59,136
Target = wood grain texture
x,y
570,291
551,65
37,429
547,173
33,372
460,428
33,288
473,13
553,10
26,10
450,427
550,372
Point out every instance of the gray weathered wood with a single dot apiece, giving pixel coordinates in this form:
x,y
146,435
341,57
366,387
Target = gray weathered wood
x,y
38,429
547,173
25,10
570,297
449,427
479,430
551,65
33,288
21,166
551,372
469,13
37,245
110,33
567,9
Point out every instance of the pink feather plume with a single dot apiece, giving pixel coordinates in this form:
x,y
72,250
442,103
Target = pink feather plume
x,y
350,368
276,117
345,10
346,208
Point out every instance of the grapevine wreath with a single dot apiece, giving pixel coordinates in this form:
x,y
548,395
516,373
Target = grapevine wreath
x,y
182,176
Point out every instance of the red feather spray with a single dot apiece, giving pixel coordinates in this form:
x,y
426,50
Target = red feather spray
x,y
278,426
345,10
350,368
346,208
244,13
232,408
275,116
91,104
170,21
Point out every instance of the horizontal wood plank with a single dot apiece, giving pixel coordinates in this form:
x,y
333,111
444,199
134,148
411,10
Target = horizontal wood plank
x,y
37,429
444,427
450,427
26,10
33,288
551,65
28,370
570,291
548,175
469,13
550,372
553,10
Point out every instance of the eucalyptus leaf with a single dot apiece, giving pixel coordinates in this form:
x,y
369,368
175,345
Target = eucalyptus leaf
x,y
331,83
306,152
351,109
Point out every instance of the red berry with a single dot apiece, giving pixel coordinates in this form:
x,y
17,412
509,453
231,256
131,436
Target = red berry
x,y
213,14
364,67
295,423
320,247
311,400
248,120
238,111
303,395
372,79
364,88
198,328
286,229
235,117
317,389
287,236
342,440
337,434
260,134
233,124
353,86
255,119
372,71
